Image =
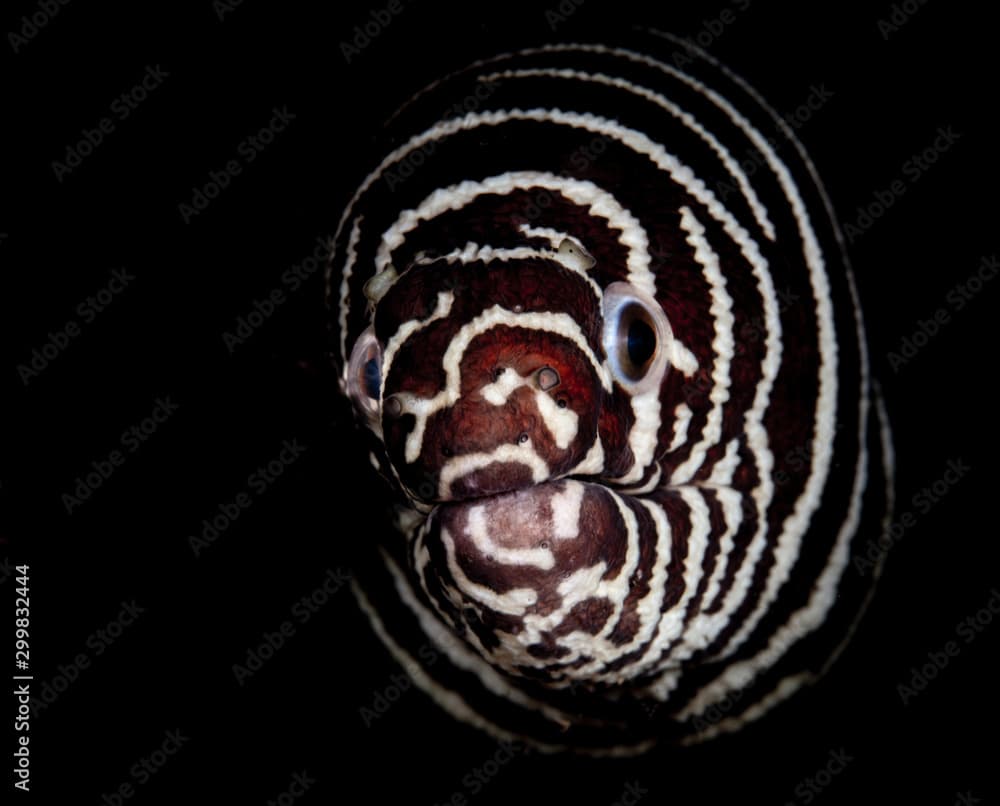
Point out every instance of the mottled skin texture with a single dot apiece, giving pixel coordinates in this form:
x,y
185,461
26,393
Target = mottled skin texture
x,y
473,424
522,520
627,557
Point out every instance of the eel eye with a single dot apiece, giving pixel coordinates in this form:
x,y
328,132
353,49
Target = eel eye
x,y
636,335
364,374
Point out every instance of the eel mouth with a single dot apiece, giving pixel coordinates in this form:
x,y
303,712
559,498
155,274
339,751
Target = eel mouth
x,y
528,572
529,523
496,478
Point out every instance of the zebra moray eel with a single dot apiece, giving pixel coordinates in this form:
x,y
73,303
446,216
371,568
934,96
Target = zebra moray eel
x,y
596,316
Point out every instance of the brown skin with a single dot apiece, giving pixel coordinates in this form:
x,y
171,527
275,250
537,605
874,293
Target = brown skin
x,y
473,424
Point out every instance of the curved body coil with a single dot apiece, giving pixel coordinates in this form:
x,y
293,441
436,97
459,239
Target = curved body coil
x,y
595,313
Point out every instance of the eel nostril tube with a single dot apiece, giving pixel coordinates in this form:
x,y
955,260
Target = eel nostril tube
x,y
392,407
548,378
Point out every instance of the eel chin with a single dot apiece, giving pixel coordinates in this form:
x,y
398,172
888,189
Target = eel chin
x,y
532,577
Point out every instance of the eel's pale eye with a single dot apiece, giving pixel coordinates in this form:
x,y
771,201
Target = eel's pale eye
x,y
364,374
636,336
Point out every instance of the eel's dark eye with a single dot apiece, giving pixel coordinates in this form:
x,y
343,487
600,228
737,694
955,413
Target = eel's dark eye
x,y
372,377
636,334
363,377
640,340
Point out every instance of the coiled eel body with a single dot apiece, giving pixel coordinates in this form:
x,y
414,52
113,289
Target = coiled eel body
x,y
618,381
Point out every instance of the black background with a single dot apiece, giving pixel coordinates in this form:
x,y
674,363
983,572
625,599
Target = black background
x,y
162,337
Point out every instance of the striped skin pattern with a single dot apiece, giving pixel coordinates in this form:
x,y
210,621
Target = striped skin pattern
x,y
619,384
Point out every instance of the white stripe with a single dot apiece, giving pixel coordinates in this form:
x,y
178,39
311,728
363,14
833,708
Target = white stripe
x,y
825,414
682,419
460,709
671,625
566,506
458,653
422,408
725,468
461,466
478,529
593,463
794,527
731,165
553,236
445,300
616,590
721,310
757,440
785,688
562,424
826,404
472,252
648,485
599,202
642,436
445,698
582,585
808,618
638,264
352,257
705,627
649,608
512,603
